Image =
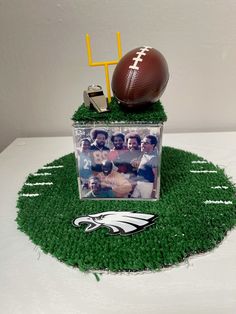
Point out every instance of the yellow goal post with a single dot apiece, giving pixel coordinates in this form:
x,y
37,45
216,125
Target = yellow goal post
x,y
104,63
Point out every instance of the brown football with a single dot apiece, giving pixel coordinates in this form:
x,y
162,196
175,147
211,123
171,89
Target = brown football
x,y
140,77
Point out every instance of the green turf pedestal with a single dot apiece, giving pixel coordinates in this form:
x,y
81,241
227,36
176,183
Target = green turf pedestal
x,y
196,209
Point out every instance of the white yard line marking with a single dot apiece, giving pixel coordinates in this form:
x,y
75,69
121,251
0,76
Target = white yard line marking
x,y
219,187
199,162
203,171
218,202
42,174
39,183
52,167
29,195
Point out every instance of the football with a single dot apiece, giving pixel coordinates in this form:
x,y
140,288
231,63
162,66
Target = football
x,y
140,77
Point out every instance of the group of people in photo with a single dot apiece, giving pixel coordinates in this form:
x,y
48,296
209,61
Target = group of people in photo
x,y
129,169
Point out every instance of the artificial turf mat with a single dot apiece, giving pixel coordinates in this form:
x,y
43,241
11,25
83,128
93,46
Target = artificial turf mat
x,y
187,223
150,114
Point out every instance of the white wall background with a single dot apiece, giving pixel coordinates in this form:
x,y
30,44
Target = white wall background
x,y
43,60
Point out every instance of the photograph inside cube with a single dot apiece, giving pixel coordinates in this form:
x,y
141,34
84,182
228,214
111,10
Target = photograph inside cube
x,y
118,162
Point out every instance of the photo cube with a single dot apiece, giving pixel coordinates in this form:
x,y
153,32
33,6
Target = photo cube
x,y
118,161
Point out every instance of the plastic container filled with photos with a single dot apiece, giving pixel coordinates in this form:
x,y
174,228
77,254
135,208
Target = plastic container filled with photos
x,y
119,161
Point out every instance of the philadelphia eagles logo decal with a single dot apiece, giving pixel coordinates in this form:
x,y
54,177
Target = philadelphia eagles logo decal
x,y
122,223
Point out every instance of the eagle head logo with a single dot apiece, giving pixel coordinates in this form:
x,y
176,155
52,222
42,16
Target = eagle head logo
x,y
123,222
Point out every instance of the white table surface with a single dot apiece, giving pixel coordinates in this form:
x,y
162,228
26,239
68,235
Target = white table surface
x,y
32,282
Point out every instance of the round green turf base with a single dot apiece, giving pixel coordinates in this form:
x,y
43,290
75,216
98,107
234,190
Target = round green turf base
x,y
196,209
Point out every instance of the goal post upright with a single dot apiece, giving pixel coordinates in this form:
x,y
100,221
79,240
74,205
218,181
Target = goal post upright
x,y
104,63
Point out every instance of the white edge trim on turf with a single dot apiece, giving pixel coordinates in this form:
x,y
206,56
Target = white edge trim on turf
x,y
42,174
199,162
38,183
218,202
220,187
52,167
29,195
203,171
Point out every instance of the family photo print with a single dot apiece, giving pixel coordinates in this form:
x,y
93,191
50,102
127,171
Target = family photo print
x,y
119,161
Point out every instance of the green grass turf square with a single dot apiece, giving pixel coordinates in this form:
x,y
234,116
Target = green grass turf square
x,y
151,114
